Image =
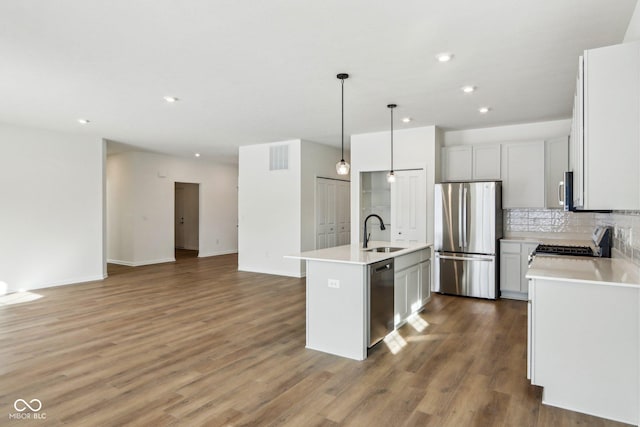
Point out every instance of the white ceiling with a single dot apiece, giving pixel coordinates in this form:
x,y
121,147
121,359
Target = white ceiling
x,y
253,71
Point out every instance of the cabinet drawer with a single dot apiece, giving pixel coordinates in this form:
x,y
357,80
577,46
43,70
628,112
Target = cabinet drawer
x,y
510,247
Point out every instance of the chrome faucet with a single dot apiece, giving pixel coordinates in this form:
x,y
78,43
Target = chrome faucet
x,y
365,239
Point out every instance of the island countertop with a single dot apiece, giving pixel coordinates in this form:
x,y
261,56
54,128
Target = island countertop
x,y
355,254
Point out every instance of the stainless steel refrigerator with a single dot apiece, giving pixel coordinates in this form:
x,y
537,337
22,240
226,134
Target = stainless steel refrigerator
x,y
468,226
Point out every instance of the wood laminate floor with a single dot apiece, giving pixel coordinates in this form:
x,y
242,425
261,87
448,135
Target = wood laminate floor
x,y
198,343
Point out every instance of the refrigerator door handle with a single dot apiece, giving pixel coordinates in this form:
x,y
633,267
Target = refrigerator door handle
x,y
460,215
465,258
464,235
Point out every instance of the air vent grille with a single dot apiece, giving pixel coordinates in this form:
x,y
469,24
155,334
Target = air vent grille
x,y
278,157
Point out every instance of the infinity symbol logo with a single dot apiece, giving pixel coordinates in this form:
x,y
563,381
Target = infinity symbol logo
x,y
21,405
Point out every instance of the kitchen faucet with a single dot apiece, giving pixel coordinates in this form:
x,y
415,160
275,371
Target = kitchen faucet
x,y
365,240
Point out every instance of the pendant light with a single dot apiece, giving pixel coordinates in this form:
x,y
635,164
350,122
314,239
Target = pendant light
x,y
342,167
391,177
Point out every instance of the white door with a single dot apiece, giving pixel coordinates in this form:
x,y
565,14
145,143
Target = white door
x,y
344,212
409,207
333,217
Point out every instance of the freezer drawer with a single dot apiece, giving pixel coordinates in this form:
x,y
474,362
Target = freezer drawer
x,y
466,274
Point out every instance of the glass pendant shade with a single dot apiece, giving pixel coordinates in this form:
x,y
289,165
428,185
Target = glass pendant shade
x,y
391,177
342,167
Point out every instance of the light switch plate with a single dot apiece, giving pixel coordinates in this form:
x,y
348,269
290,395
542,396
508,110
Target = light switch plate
x,y
334,283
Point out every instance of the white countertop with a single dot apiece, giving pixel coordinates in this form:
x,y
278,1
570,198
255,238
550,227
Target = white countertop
x,y
549,241
606,271
355,254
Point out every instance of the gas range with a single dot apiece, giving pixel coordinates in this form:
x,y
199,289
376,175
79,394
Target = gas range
x,y
601,246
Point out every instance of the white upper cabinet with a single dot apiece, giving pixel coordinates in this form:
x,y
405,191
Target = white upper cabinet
x,y
471,162
556,164
523,175
612,127
457,163
486,162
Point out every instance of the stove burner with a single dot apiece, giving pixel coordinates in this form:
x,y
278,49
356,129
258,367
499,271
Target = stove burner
x,y
565,250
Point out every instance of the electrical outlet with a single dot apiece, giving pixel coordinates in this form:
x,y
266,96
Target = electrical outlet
x,y
334,283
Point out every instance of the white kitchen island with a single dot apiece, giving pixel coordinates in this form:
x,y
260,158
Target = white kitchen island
x,y
337,293
584,335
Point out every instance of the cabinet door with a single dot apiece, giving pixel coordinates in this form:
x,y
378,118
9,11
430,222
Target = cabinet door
x,y
409,207
510,271
612,127
486,162
425,282
400,297
523,175
556,164
414,302
456,163
527,248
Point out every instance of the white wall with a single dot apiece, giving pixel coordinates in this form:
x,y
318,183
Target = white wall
x,y
142,184
633,30
510,133
51,220
269,211
414,148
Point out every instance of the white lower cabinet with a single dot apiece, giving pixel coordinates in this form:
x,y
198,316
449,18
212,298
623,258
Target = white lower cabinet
x,y
514,260
412,284
583,346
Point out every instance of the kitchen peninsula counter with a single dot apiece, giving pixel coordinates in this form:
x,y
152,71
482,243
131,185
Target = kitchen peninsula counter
x,y
584,334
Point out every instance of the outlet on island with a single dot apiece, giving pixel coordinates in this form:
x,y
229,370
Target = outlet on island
x,y
334,283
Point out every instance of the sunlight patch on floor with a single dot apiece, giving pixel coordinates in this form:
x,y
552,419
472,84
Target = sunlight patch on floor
x,y
18,298
394,342
417,322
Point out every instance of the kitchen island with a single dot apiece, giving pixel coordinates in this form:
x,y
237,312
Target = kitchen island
x,y
584,334
338,297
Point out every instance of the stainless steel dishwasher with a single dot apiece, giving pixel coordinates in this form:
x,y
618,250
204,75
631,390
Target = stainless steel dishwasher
x,y
381,307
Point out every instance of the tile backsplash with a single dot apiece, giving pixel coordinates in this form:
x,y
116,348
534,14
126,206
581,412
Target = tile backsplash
x,y
548,221
626,226
626,232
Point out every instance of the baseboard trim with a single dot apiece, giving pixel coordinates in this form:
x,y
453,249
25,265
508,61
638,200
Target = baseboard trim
x,y
140,263
272,272
74,281
216,253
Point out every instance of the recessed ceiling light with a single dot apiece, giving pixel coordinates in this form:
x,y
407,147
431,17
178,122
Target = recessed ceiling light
x,y
444,57
170,99
468,89
197,154
406,119
83,121
484,110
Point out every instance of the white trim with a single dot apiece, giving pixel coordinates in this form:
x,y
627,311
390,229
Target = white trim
x,y
140,263
216,253
276,273
66,282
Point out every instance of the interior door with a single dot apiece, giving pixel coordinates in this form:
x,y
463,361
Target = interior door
x,y
179,217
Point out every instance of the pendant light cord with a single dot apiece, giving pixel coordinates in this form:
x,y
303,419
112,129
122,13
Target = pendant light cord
x,y
342,103
391,138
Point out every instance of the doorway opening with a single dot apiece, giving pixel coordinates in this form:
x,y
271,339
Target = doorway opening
x,y
186,220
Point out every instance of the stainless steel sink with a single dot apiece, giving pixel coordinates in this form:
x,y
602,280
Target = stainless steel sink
x,y
384,249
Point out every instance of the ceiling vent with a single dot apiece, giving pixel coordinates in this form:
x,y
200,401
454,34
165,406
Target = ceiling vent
x,y
278,157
